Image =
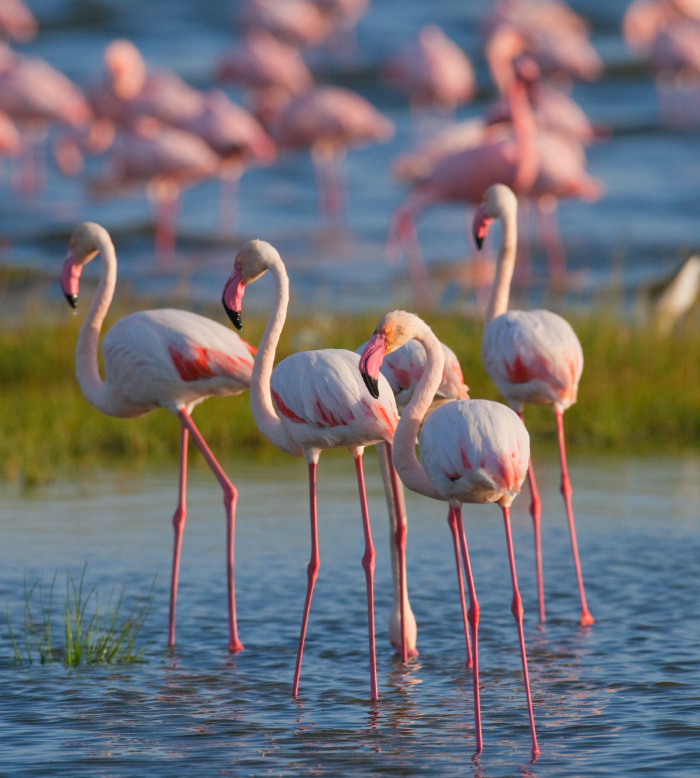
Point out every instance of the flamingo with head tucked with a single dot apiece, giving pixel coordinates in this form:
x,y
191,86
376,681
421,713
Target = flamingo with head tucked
x,y
473,451
532,357
157,359
312,401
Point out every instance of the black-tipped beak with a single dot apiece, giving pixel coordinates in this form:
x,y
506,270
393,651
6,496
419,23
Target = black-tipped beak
x,y
372,384
235,316
479,241
72,300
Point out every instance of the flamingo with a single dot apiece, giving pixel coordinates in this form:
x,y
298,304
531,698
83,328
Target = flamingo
x,y
299,22
326,120
532,357
320,402
403,369
164,160
17,21
433,71
158,359
473,451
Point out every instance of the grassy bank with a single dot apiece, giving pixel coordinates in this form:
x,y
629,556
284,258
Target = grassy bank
x,y
637,393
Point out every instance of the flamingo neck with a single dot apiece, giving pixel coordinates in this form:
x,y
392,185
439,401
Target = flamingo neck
x,y
498,304
525,129
260,396
86,368
406,463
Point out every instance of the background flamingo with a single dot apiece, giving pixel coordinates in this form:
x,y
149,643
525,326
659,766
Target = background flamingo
x,y
17,21
327,120
532,357
158,359
473,451
299,22
319,403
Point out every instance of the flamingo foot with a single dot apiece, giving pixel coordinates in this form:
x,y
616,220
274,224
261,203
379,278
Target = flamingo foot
x,y
586,619
235,646
410,652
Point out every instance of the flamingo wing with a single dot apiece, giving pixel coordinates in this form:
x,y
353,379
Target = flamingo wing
x,y
171,358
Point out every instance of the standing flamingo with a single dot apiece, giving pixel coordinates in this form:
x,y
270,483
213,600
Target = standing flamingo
x,y
403,369
157,359
532,357
326,120
473,451
17,21
319,403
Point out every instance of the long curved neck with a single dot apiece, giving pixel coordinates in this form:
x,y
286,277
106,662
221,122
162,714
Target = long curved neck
x,y
498,304
86,368
260,396
406,463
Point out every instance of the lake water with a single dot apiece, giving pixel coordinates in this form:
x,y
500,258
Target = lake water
x,y
617,699
638,231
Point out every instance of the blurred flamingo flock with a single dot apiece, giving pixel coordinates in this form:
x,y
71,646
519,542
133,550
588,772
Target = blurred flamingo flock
x,y
353,135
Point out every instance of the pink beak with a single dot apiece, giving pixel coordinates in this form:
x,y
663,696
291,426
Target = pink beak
x,y
233,296
70,279
371,360
481,225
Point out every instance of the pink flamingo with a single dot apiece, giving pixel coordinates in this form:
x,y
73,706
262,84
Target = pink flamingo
x,y
555,35
299,22
344,15
17,21
35,94
403,369
473,451
326,120
432,71
271,70
532,357
163,159
158,359
319,403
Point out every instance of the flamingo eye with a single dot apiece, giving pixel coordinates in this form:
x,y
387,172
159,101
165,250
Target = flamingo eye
x,y
387,330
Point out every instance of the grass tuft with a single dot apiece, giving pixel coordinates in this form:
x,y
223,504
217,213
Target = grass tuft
x,y
98,637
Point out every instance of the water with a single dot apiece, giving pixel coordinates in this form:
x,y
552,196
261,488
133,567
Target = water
x,y
644,223
617,699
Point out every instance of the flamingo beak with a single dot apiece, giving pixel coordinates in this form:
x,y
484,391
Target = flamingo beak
x,y
70,279
232,297
481,225
371,360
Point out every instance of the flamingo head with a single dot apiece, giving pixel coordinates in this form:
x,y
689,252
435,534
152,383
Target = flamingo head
x,y
394,329
254,258
497,200
126,69
85,243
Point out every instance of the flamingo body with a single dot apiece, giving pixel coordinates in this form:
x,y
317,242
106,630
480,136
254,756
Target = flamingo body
x,y
475,451
171,359
323,403
533,357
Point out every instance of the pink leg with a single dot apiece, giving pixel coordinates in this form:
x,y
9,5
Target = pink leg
x,y
178,526
415,265
166,215
517,611
586,618
368,564
400,540
474,623
553,246
230,498
536,512
311,571
452,523
228,200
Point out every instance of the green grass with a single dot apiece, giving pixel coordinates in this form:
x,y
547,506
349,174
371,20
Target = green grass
x,y
637,393
95,638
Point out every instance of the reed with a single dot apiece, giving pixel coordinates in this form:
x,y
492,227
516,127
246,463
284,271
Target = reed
x,y
638,393
96,638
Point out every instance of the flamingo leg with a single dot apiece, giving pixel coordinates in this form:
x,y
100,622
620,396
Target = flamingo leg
x,y
452,523
415,265
553,245
230,499
229,181
536,513
397,516
368,564
517,611
586,618
473,616
178,526
311,571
